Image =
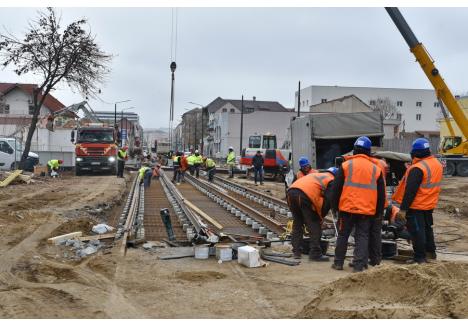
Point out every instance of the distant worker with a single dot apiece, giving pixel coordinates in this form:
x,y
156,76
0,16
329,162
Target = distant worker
x,y
176,167
197,163
210,167
145,174
358,196
257,163
122,156
231,161
418,194
191,163
156,171
53,166
183,166
309,200
304,168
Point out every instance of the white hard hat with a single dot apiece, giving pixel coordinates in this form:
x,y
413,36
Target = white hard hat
x,y
196,151
230,147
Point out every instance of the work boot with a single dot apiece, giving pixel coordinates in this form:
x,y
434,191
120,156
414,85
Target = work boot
x,y
337,267
414,261
261,183
431,255
351,264
358,270
297,256
320,259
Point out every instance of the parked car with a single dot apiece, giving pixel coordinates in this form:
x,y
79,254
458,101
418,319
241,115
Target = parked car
x,y
10,155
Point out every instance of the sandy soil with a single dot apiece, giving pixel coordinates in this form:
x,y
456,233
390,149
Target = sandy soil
x,y
36,281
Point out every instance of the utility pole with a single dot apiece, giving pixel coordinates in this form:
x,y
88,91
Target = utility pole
x,y
299,100
202,129
173,67
241,123
196,139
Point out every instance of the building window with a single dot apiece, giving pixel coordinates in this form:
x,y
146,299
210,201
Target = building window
x,y
31,109
224,110
324,100
418,116
372,102
419,104
248,110
232,110
4,108
307,102
436,104
399,103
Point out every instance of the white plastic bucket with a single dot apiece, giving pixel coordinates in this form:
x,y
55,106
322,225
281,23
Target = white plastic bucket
x,y
223,252
202,251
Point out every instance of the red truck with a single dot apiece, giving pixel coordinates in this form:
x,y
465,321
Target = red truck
x,y
95,149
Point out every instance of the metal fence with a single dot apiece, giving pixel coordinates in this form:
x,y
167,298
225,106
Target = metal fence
x,y
404,145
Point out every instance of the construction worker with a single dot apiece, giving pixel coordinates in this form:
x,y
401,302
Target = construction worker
x,y
304,168
197,163
210,167
257,163
53,166
191,162
122,156
418,194
176,167
309,201
145,174
183,166
231,161
156,171
358,196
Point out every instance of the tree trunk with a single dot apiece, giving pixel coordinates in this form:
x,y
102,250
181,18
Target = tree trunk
x,y
27,145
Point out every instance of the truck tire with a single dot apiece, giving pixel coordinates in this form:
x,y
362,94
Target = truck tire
x,y
450,168
78,171
462,169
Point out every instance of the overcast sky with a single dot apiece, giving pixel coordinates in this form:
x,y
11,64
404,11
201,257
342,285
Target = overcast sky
x,y
256,52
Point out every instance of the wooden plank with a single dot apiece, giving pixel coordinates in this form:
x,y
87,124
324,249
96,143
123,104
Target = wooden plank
x,y
10,178
97,237
203,214
22,177
57,239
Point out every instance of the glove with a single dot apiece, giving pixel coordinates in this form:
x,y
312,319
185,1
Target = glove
x,y
401,217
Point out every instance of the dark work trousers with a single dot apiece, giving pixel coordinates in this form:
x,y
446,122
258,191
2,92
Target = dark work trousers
x,y
196,168
361,223
304,213
258,174
231,170
147,178
419,224
191,169
211,173
120,168
176,176
375,240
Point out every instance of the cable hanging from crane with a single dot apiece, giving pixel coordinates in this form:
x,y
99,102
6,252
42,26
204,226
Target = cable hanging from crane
x,y
174,23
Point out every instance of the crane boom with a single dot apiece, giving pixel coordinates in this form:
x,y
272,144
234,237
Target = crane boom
x,y
427,64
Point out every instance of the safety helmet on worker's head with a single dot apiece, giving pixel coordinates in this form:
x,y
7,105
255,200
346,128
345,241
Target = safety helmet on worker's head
x,y
363,142
332,170
303,162
420,144
231,148
196,151
60,161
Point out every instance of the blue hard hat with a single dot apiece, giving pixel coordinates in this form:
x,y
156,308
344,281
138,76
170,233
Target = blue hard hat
x,y
303,161
332,170
420,144
363,142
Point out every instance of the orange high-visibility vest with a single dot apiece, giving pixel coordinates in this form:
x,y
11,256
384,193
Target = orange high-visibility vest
x,y
428,192
301,174
313,186
383,166
359,195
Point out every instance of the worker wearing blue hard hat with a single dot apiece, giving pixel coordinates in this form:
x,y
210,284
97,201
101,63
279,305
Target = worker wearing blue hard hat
x,y
304,168
358,196
418,194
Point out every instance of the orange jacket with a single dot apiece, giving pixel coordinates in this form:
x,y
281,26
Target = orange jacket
x,y
428,192
359,195
183,163
313,186
301,174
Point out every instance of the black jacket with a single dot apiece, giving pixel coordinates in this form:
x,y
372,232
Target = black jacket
x,y
257,161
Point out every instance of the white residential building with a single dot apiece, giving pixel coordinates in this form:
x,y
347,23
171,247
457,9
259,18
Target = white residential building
x,y
419,108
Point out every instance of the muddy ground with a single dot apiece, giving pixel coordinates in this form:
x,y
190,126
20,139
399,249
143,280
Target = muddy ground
x,y
38,281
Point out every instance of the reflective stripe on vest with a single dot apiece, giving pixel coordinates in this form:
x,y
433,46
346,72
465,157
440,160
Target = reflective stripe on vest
x,y
428,183
348,182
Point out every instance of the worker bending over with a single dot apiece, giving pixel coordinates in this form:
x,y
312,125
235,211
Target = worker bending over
x,y
418,194
257,163
53,166
231,161
122,156
304,168
358,196
210,167
197,163
309,201
145,174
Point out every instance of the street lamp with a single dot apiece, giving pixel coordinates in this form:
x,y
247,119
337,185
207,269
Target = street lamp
x,y
126,127
115,110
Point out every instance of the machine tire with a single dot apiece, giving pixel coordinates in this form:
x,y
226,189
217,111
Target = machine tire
x,y
450,168
78,171
462,169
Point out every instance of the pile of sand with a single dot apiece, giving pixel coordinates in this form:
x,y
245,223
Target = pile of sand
x,y
438,290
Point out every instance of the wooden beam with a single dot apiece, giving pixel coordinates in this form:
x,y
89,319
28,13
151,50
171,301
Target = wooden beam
x,y
203,214
10,178
22,177
57,239
97,237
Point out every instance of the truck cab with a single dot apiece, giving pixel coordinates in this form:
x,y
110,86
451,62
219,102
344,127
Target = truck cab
x,y
11,150
95,149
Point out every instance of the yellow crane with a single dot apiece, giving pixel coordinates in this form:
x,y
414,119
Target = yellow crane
x,y
453,149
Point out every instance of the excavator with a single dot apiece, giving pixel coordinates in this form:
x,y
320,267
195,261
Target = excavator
x,y
453,149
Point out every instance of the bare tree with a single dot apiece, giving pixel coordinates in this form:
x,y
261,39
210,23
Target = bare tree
x,y
56,55
385,106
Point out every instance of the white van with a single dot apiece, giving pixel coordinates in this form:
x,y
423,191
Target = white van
x,y
10,155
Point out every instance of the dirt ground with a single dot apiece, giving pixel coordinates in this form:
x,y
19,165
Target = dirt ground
x,y
37,281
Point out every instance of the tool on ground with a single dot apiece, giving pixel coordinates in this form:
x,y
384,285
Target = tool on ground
x,y
166,218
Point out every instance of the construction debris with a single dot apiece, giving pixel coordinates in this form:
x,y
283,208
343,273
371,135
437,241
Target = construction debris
x,y
10,177
58,239
102,228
